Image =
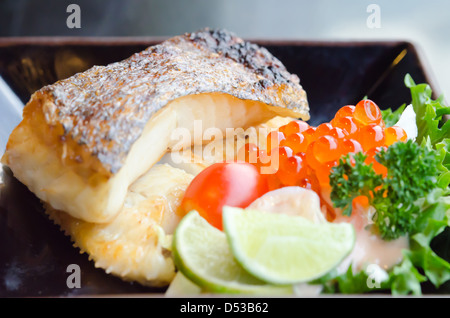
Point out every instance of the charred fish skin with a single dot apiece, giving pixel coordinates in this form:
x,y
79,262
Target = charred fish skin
x,y
253,57
106,108
83,140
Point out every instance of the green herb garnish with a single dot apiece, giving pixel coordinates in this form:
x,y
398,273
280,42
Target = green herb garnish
x,y
411,175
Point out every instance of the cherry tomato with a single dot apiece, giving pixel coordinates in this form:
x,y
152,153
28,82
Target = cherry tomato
x,y
235,184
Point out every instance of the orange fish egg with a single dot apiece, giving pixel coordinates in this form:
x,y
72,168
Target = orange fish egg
x,y
323,129
351,146
296,142
323,173
295,126
367,112
348,124
311,159
310,135
371,136
394,134
377,167
291,170
310,181
281,153
337,133
277,155
273,182
273,139
345,111
326,148
309,184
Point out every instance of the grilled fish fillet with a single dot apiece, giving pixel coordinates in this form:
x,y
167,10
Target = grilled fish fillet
x,y
85,139
135,244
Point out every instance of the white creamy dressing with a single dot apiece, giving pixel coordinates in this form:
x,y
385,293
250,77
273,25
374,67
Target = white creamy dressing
x,y
369,247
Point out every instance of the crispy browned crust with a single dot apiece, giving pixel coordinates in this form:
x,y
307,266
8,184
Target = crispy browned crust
x,y
104,109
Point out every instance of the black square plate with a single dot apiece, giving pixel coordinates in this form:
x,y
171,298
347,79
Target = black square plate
x,y
34,254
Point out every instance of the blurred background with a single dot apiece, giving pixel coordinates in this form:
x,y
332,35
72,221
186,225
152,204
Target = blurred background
x,y
425,23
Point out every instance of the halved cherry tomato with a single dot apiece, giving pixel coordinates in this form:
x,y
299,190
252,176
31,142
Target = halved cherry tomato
x,y
235,184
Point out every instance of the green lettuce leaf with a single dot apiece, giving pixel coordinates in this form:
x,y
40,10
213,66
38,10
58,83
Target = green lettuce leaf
x,y
405,279
443,154
391,117
433,133
433,220
429,113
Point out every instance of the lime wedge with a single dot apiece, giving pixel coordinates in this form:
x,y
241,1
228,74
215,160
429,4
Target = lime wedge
x,y
202,254
181,286
285,249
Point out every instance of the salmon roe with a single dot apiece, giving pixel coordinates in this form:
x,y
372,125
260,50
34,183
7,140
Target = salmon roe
x,y
304,155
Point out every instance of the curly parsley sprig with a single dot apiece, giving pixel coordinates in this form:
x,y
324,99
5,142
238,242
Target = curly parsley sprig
x,y
412,171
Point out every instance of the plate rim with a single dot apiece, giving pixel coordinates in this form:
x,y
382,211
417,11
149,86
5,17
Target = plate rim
x,y
414,47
